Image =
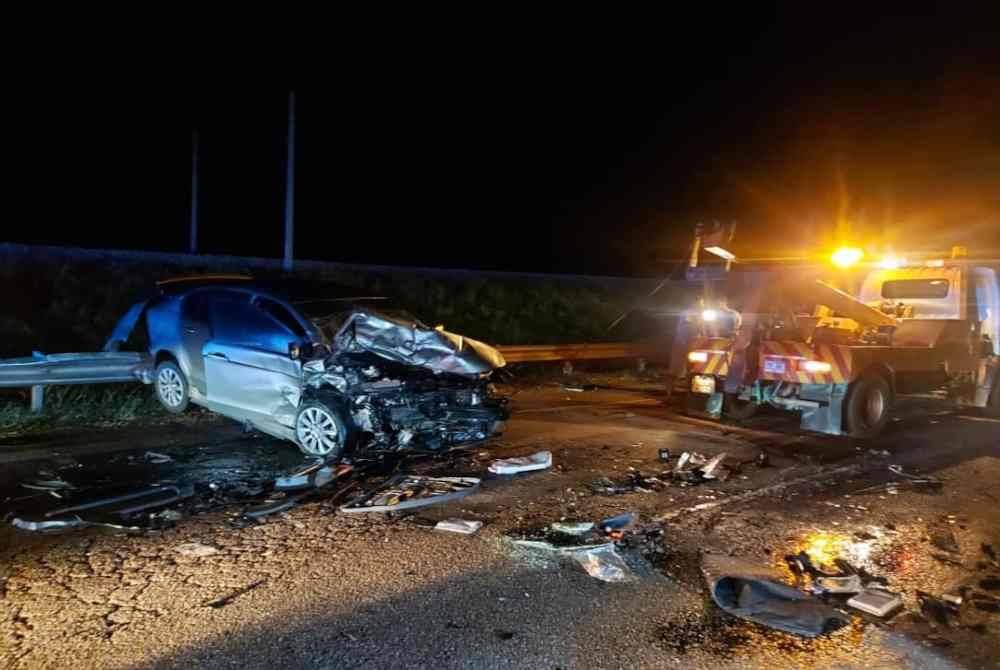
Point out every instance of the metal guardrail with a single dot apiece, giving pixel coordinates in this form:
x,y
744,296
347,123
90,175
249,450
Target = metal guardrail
x,y
537,353
39,371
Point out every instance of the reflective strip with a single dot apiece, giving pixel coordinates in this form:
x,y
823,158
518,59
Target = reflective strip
x,y
794,354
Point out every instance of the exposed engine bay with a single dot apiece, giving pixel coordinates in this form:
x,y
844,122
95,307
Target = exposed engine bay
x,y
404,385
394,406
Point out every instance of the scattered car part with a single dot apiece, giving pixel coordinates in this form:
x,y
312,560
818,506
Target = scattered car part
x,y
876,602
405,491
461,526
173,493
510,466
753,593
572,527
838,585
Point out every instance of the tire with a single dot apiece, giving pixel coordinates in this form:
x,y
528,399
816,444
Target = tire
x,y
736,409
320,430
171,387
868,402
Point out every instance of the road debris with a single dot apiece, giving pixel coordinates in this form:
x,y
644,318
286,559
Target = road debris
x,y
838,585
756,594
511,466
461,526
876,602
602,563
404,492
579,388
157,458
195,550
219,603
944,539
572,527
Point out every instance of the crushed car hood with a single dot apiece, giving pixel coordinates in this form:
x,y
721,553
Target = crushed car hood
x,y
414,344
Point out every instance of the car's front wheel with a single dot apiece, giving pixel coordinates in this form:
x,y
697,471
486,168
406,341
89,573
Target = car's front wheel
x,y
320,431
171,387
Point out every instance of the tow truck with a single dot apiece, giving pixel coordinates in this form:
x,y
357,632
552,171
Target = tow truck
x,y
797,340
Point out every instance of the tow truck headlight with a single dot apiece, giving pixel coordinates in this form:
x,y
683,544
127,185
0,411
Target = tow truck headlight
x,y
703,384
816,366
698,356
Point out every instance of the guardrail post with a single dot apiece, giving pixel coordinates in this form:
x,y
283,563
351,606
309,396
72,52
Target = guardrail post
x,y
37,398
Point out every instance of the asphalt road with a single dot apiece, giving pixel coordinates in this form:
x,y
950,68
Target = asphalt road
x,y
315,588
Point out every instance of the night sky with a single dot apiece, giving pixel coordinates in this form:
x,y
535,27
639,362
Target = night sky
x,y
593,157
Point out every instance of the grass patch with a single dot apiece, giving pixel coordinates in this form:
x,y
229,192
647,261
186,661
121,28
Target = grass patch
x,y
97,404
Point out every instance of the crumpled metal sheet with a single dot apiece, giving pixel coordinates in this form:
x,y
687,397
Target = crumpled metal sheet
x,y
412,344
754,593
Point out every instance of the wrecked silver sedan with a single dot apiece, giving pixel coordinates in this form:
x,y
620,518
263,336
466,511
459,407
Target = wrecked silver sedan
x,y
353,379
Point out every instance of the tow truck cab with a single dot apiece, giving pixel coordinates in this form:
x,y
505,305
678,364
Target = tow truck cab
x,y
930,328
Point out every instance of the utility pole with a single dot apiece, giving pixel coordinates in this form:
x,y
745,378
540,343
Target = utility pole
x,y
290,185
193,244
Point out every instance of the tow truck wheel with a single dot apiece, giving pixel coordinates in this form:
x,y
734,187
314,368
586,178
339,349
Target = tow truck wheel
x,y
736,409
319,430
867,409
993,404
171,387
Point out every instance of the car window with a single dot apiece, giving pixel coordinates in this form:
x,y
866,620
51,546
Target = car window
x,y
281,314
236,321
915,289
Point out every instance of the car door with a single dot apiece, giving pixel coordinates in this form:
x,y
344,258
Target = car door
x,y
195,332
249,373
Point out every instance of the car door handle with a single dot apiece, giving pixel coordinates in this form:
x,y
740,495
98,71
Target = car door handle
x,y
219,354
190,331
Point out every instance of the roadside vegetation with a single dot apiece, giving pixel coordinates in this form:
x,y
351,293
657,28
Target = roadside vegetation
x,y
94,405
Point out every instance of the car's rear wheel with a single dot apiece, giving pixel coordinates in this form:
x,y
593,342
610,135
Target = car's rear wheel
x,y
171,387
320,431
868,403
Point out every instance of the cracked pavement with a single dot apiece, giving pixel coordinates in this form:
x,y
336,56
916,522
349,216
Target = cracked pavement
x,y
311,588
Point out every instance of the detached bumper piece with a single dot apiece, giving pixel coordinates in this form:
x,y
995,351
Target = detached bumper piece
x,y
404,492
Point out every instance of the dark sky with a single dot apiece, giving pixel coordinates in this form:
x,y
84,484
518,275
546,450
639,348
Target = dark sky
x,y
484,152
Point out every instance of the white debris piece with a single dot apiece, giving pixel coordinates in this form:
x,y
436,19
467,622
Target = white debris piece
x,y
603,563
876,602
511,466
195,550
463,526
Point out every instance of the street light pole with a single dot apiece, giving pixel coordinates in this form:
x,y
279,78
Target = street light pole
x,y
193,242
290,185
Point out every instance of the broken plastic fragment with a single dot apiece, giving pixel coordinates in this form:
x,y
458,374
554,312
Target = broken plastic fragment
x,y
876,602
463,526
837,585
572,527
603,563
195,550
510,466
711,469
